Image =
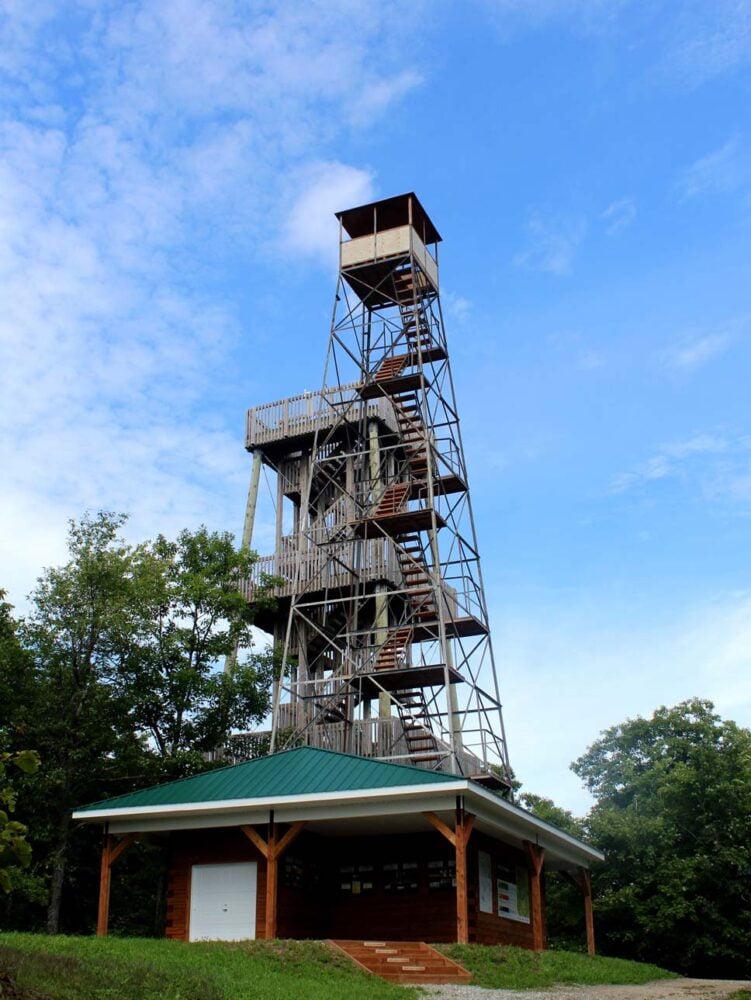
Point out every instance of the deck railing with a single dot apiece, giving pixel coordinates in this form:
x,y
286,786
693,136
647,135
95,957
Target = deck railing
x,y
381,738
310,412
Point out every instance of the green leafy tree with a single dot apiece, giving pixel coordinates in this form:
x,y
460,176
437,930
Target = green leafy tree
x,y
190,617
15,850
64,701
673,815
116,678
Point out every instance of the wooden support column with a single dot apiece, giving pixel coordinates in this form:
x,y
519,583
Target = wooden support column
x,y
110,853
583,882
586,887
458,838
272,849
536,858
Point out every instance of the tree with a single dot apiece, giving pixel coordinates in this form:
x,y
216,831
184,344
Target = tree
x,y
80,611
115,677
189,616
673,816
14,848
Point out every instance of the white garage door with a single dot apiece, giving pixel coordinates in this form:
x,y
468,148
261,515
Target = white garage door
x,y
223,902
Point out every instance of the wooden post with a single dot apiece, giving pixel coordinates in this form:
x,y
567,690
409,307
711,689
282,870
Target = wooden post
x,y
462,902
110,853
272,849
105,873
586,885
536,857
458,838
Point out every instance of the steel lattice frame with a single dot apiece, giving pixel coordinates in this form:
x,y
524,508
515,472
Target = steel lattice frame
x,y
387,485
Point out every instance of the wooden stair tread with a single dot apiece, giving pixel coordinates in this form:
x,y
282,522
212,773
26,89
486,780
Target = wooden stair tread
x,y
412,962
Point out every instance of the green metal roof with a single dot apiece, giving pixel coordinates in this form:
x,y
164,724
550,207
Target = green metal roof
x,y
302,771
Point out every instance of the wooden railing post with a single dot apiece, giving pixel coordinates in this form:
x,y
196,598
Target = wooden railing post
x,y
536,858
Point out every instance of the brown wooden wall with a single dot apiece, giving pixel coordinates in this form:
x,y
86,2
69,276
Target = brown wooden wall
x,y
207,847
313,905
487,928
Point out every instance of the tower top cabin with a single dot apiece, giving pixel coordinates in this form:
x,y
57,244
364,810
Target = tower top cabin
x,y
373,236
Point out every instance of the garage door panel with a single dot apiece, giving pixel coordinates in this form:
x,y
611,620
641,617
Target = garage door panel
x,y
223,902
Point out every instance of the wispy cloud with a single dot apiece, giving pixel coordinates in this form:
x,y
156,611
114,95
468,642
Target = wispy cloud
x,y
575,347
721,170
693,352
672,459
697,348
184,127
707,40
619,215
552,243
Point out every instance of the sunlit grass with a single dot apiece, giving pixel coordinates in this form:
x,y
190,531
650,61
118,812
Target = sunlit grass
x,y
503,967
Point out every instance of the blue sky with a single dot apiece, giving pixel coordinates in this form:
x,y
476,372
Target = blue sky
x,y
168,174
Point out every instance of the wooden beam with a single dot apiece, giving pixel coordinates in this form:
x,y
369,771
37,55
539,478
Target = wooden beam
x,y
289,837
586,883
441,827
103,911
121,847
536,858
256,840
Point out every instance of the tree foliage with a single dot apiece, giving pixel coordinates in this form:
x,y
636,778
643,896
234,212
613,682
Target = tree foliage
x,y
116,678
673,816
15,850
189,615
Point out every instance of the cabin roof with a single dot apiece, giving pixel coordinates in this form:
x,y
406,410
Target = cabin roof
x,y
389,214
301,771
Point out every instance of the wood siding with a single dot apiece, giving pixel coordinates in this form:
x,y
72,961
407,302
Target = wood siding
x,y
318,908
487,928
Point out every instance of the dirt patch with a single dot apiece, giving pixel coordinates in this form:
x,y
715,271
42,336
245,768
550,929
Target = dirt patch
x,y
10,991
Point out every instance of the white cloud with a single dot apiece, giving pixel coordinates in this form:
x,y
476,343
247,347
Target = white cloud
x,y
707,40
692,352
619,215
321,189
184,125
552,244
723,169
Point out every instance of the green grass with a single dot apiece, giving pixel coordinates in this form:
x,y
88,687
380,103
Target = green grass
x,y
89,968
503,967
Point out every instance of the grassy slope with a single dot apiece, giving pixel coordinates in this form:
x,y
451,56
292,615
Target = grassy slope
x,y
88,968
502,967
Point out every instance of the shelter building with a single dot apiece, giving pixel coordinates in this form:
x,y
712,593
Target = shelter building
x,y
312,843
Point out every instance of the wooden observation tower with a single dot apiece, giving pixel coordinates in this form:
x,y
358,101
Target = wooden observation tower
x,y
382,615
